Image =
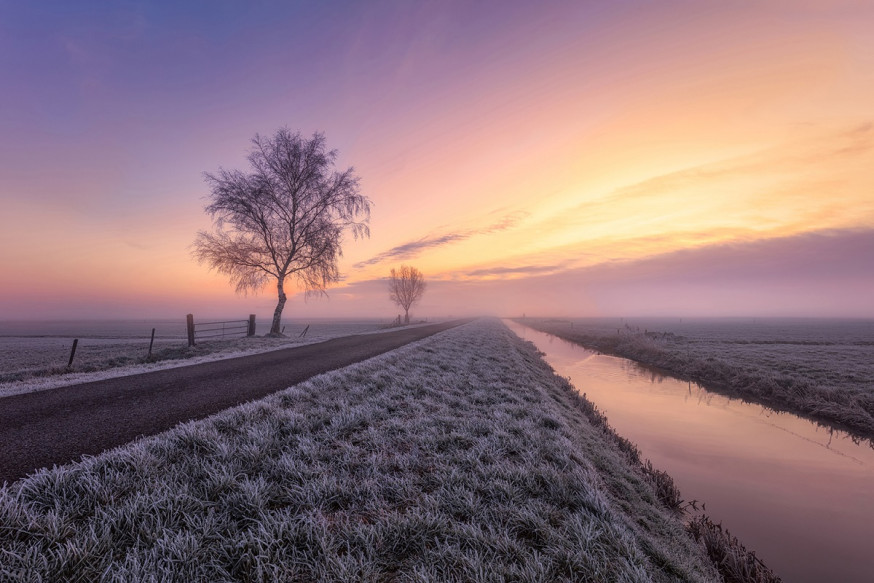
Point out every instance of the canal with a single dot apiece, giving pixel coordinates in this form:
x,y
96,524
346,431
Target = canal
x,y
799,495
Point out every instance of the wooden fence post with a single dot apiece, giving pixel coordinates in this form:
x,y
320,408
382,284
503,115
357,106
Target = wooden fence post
x,y
73,352
190,323
151,342
251,331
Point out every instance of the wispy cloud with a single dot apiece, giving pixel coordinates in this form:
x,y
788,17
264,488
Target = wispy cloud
x,y
823,273
787,159
818,180
521,270
414,248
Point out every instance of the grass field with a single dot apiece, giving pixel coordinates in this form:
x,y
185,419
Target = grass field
x,y
824,370
31,363
462,457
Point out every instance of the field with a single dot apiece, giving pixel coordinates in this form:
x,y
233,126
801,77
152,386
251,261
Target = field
x,y
34,356
462,457
823,369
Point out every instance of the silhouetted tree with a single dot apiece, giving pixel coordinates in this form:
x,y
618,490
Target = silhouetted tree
x,y
284,218
406,286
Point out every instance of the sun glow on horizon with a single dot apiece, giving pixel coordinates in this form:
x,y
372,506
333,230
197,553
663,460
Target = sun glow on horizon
x,y
514,150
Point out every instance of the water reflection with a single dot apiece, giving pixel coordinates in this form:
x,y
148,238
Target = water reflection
x,y
653,374
798,493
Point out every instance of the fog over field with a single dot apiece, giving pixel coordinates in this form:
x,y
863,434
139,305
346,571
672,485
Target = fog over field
x,y
682,187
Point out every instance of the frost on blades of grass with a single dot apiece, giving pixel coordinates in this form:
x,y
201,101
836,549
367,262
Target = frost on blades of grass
x,y
461,457
826,372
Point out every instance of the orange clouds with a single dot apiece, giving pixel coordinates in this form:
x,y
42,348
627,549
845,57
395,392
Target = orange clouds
x,y
819,180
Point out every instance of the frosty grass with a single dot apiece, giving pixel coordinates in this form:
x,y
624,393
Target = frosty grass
x,y
461,457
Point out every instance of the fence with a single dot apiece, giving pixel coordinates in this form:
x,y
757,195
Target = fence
x,y
148,356
207,330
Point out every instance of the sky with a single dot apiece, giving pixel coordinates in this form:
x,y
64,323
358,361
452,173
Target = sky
x,y
622,158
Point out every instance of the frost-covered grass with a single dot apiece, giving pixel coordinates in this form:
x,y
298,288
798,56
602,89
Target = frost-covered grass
x,y
821,369
462,457
29,364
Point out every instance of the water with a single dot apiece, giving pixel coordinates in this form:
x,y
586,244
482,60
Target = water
x,y
799,495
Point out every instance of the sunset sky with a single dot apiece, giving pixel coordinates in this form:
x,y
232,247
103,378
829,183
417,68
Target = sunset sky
x,y
582,158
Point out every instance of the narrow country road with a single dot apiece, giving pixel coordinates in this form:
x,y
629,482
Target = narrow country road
x,y
60,425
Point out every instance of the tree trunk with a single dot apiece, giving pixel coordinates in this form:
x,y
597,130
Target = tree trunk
x,y
277,313
407,316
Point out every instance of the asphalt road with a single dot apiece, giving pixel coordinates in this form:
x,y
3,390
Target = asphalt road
x,y
60,425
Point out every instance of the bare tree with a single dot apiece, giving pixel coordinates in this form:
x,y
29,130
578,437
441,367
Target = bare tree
x,y
406,286
284,218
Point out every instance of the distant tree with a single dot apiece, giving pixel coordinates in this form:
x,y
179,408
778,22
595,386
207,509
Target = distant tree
x,y
406,286
283,219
